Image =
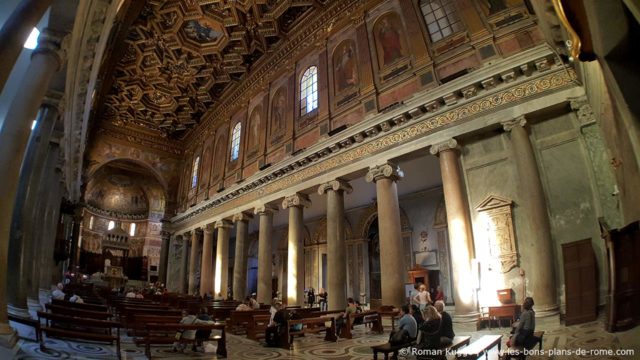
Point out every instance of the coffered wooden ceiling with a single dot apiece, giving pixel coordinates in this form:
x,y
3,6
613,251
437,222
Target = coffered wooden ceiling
x,y
182,55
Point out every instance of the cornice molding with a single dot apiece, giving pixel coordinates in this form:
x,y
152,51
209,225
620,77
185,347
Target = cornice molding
x,y
139,138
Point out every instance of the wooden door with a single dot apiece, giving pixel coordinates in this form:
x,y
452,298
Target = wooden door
x,y
580,282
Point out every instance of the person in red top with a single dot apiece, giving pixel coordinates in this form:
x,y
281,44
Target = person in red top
x,y
439,294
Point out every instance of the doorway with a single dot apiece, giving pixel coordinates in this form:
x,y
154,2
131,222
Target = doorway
x,y
375,278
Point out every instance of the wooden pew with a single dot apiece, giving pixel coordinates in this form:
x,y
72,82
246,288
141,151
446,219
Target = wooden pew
x,y
480,347
457,343
128,314
257,326
83,306
165,334
239,320
79,329
70,311
368,317
138,326
27,321
309,325
518,352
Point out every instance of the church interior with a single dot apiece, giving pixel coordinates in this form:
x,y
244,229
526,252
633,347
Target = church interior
x,y
301,179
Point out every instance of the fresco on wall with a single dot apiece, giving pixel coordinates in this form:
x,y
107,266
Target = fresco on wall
x,y
278,112
203,177
220,155
389,38
345,67
253,139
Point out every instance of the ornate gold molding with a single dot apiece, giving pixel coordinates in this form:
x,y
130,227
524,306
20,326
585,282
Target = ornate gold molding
x,y
574,43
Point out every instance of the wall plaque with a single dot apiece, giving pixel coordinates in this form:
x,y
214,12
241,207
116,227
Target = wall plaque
x,y
497,220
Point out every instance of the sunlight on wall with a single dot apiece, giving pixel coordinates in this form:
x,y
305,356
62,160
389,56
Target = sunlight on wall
x,y
460,252
490,278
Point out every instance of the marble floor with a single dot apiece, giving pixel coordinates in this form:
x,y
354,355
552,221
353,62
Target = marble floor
x,y
585,336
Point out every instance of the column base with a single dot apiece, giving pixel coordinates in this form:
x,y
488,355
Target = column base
x,y
44,296
546,310
18,312
8,339
471,317
34,306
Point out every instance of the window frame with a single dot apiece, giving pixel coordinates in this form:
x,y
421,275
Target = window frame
x,y
132,229
195,172
454,23
111,225
308,90
236,137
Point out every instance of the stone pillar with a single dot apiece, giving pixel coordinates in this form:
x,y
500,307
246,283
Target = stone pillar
x,y
295,251
459,226
221,281
392,267
16,31
241,253
541,281
206,272
336,243
265,264
164,254
193,260
184,272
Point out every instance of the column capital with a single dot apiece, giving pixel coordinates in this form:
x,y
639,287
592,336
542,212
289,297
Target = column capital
x,y
335,185
187,235
53,43
165,234
583,111
265,209
297,199
224,223
388,170
450,144
242,217
510,124
209,228
54,99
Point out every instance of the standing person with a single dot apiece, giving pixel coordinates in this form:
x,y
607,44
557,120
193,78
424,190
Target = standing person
x,y
422,298
311,297
446,327
322,294
523,333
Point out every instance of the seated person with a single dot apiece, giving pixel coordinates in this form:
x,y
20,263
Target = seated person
x,y
187,319
245,306
342,319
131,294
253,303
523,333
139,295
202,335
58,294
407,328
276,325
417,314
430,329
446,327
75,298
275,306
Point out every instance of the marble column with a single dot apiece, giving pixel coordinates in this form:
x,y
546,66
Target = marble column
x,y
241,253
16,31
459,226
184,269
221,281
23,286
392,267
193,260
265,264
541,281
295,248
206,272
45,61
336,243
164,254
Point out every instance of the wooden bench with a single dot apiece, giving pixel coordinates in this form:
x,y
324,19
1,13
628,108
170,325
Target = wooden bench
x,y
518,352
139,325
76,312
27,321
128,314
79,329
480,347
368,317
83,306
238,320
309,325
257,326
457,343
165,334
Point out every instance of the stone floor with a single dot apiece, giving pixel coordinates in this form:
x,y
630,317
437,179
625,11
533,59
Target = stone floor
x,y
585,336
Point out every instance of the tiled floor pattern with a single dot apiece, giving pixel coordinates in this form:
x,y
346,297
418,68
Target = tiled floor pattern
x,y
584,336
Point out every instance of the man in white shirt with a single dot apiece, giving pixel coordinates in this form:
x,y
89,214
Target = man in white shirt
x,y
58,294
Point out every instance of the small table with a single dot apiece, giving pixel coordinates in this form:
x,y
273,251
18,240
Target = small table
x,y
510,311
480,347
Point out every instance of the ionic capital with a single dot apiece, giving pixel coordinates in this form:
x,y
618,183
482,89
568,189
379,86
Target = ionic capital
x,y
388,170
209,228
450,144
224,223
583,111
335,185
510,124
186,236
265,209
297,199
165,235
242,217
50,42
54,99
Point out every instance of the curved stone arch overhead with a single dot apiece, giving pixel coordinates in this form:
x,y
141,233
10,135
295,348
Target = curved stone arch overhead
x,y
371,213
163,182
320,234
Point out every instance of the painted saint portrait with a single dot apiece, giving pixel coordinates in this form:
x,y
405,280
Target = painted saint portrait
x,y
219,156
345,67
206,161
390,42
278,115
254,129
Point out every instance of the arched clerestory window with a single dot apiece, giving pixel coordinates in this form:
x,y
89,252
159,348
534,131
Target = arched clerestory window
x,y
309,90
194,172
235,141
441,18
